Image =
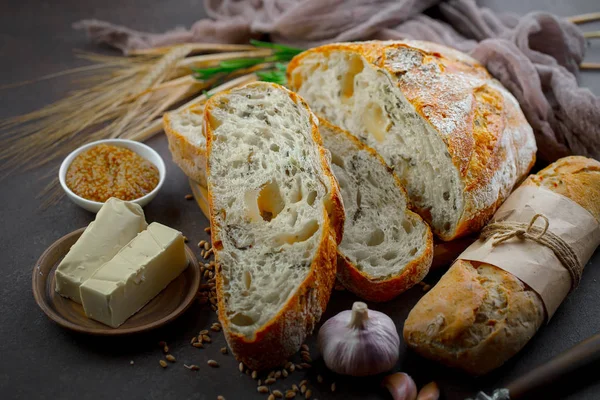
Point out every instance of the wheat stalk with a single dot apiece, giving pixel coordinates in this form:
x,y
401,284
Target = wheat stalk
x,y
195,48
589,65
583,18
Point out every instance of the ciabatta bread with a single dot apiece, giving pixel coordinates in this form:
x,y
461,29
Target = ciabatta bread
x,y
454,136
185,133
275,214
386,248
478,316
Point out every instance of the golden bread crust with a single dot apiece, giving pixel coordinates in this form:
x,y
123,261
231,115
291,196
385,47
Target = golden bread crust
x,y
575,177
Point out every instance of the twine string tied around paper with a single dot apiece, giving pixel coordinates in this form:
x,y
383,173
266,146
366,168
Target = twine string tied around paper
x,y
506,230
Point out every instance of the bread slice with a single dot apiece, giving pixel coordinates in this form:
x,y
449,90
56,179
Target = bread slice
x,y
386,248
276,215
478,316
454,136
185,133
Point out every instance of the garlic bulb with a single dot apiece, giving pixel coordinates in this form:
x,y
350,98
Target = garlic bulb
x,y
359,342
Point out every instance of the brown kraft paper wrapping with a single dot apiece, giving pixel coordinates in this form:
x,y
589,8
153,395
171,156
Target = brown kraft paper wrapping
x,y
533,263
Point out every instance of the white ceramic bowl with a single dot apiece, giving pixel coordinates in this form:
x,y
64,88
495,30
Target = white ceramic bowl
x,y
143,150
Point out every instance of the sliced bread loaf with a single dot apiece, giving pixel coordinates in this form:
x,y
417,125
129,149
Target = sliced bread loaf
x,y
454,136
386,248
276,214
185,133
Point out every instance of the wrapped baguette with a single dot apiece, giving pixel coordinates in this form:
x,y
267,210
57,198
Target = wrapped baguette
x,y
479,315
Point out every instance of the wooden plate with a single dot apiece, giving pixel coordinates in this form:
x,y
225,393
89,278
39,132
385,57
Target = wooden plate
x,y
165,307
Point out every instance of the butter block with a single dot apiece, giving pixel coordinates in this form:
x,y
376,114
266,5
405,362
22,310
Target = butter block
x,y
135,275
116,224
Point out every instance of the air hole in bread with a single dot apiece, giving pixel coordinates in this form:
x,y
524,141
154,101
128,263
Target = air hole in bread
x,y
310,199
361,255
375,122
247,279
407,225
337,160
274,147
213,121
413,251
270,203
241,319
390,255
355,67
237,164
376,238
305,233
447,226
296,192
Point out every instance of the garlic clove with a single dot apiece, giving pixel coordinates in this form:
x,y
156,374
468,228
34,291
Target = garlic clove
x,y
401,386
431,391
359,342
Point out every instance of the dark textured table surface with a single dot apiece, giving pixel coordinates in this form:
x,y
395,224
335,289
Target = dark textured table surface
x,y
40,360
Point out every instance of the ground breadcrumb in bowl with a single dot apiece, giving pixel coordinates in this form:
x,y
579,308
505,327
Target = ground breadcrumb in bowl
x,y
120,168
